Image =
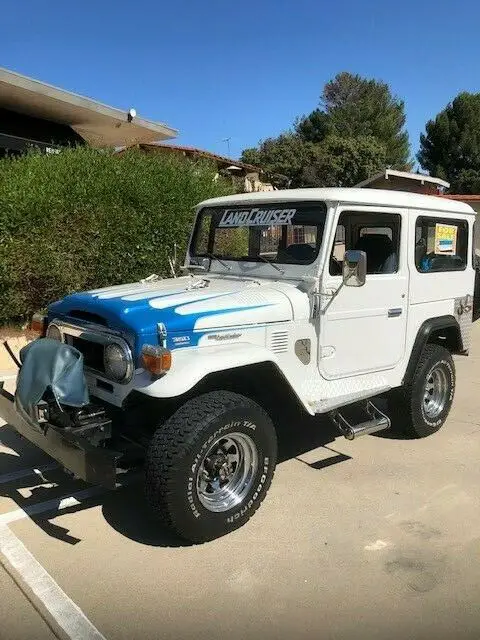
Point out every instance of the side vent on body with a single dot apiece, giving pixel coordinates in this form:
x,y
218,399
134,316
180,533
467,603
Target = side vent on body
x,y
278,341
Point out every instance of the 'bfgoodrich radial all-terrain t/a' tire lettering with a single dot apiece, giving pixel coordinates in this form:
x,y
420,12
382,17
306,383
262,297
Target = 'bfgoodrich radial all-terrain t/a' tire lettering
x,y
210,465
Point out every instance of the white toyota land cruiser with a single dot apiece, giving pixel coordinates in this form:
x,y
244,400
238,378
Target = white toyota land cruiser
x,y
331,297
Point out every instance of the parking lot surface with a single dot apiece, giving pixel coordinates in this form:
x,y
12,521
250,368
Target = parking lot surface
x,y
376,538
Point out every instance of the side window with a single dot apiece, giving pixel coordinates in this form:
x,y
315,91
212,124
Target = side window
x,y
441,244
292,243
378,234
385,231
338,251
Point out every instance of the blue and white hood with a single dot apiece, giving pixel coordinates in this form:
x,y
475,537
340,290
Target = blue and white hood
x,y
188,307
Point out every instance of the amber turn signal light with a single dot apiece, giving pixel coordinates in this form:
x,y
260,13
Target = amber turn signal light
x,y
38,324
157,360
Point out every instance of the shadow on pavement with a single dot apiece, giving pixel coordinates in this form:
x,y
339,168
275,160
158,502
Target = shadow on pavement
x,y
298,434
127,512
19,452
126,509
394,433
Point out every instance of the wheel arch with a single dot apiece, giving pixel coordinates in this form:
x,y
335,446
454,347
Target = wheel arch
x,y
261,381
442,330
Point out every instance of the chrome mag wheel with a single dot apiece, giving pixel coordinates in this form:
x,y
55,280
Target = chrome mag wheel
x,y
436,392
227,471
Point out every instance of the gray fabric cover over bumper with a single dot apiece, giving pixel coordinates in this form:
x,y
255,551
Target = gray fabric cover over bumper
x,y
49,364
92,464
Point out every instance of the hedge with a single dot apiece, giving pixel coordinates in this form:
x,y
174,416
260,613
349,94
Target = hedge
x,y
85,218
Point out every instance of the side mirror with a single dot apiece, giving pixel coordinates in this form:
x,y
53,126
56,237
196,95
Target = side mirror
x,y
354,268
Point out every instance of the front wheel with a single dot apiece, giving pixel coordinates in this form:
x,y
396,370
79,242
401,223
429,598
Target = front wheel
x,y
210,465
422,407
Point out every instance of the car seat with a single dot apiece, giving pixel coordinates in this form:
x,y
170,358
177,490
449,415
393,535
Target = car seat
x,y
297,253
381,255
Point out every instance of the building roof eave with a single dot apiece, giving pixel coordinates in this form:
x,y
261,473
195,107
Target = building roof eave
x,y
98,124
394,173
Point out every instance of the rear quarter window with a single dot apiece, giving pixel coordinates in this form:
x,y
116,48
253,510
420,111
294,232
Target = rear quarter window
x,y
441,244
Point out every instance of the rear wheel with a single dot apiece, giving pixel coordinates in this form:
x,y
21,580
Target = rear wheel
x,y
210,465
422,407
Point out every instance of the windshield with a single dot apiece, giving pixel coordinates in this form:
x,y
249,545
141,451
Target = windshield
x,y
279,233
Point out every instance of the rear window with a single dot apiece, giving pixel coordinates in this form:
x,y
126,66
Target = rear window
x,y
441,244
283,233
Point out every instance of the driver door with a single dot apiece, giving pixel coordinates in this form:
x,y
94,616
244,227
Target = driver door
x,y
363,329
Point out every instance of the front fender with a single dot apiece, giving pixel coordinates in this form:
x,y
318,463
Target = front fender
x,y
190,366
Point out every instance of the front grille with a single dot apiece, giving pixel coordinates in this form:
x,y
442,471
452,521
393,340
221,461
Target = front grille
x,y
92,352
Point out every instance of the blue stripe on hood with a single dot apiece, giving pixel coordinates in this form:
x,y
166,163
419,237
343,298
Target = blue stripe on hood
x,y
139,319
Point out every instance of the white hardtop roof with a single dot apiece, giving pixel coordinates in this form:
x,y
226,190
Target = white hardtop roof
x,y
379,197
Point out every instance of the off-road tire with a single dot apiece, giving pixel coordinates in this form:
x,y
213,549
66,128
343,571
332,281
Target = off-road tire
x,y
176,452
407,405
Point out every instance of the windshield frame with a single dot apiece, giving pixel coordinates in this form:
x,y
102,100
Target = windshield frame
x,y
317,209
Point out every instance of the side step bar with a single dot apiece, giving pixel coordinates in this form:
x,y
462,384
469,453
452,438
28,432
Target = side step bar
x,y
378,422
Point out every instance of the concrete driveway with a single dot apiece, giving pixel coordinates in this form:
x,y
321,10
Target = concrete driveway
x,y
377,538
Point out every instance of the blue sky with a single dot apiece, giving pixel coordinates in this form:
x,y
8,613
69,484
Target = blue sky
x,y
215,69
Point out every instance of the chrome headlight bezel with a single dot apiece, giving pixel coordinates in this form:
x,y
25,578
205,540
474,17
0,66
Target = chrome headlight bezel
x,y
122,353
51,329
102,336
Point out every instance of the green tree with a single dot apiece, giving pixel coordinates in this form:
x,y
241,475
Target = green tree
x,y
287,155
450,146
358,106
344,162
314,127
336,162
251,155
364,113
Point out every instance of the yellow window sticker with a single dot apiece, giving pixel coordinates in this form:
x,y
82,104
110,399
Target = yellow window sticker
x,y
446,239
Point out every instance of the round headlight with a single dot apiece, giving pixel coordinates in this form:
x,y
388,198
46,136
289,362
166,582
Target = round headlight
x,y
53,332
117,361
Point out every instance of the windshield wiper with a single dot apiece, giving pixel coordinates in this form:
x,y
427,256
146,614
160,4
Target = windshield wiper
x,y
213,256
272,264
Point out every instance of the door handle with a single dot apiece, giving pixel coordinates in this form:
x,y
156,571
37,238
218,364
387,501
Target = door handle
x,y
394,313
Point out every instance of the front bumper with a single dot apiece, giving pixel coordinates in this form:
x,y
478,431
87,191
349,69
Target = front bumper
x,y
92,464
